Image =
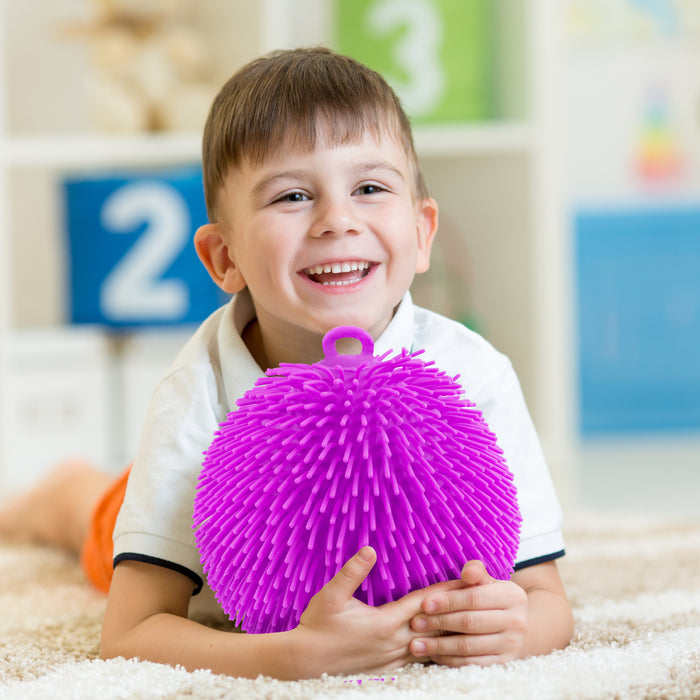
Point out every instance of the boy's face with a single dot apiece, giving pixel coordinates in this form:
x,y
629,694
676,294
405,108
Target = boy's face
x,y
323,238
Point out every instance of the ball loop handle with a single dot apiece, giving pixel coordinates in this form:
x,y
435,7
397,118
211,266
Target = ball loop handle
x,y
336,334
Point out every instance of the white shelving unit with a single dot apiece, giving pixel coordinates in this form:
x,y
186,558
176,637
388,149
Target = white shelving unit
x,y
494,182
77,152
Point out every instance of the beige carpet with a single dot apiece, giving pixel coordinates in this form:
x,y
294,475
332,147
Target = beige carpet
x,y
634,585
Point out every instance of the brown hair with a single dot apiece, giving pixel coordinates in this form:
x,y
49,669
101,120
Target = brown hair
x,y
288,95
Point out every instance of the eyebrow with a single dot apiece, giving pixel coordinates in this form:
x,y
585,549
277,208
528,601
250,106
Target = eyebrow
x,y
381,165
301,174
270,180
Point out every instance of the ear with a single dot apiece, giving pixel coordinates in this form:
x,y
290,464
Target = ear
x,y
211,245
426,228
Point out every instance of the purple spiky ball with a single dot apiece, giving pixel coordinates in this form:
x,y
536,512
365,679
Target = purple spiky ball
x,y
320,460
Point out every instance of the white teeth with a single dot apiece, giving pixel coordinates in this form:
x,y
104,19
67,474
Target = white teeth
x,y
337,268
340,283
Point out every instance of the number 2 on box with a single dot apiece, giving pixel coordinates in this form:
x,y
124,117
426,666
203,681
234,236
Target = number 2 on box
x,y
135,288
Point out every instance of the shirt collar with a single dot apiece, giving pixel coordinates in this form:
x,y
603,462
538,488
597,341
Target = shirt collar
x,y
399,333
240,371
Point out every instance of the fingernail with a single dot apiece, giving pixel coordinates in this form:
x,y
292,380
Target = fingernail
x,y
419,647
366,554
431,606
420,623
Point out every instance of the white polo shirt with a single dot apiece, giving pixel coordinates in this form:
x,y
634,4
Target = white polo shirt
x,y
215,369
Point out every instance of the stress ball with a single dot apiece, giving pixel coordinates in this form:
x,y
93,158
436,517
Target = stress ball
x,y
319,460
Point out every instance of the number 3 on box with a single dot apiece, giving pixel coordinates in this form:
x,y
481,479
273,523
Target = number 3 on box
x,y
416,54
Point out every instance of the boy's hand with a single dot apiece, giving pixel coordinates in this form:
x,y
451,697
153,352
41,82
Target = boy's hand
x,y
340,634
486,621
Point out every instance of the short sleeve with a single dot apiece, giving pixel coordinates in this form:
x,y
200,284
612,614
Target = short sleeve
x,y
213,370
502,404
155,522
490,381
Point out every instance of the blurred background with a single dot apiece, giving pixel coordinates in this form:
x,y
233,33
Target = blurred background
x,y
560,137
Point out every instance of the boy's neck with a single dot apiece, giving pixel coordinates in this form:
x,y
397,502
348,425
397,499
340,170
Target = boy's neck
x,y
291,345
269,354
253,341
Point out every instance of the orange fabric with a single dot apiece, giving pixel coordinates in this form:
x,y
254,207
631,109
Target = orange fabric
x,y
98,547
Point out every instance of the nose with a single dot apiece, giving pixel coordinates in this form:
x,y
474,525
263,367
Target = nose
x,y
335,216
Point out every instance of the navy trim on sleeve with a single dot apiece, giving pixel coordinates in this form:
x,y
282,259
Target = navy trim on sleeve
x,y
130,556
538,560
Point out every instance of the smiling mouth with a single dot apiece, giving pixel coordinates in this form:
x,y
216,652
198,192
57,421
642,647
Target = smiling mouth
x,y
338,274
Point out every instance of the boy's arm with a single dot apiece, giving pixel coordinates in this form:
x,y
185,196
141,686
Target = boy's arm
x,y
493,621
550,619
146,617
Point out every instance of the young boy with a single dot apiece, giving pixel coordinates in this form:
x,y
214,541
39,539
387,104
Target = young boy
x,y
319,217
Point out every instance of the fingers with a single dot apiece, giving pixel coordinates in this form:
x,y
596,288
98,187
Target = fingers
x,y
460,650
474,592
342,586
412,603
462,622
485,622
432,599
460,598
474,574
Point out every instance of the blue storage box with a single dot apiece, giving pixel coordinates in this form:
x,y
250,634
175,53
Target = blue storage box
x,y
132,261
639,319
